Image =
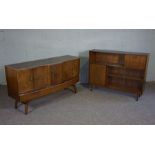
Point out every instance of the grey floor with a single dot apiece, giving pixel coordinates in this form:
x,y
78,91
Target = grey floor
x,y
102,106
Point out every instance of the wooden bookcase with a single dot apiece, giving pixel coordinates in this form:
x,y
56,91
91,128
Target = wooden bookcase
x,y
125,71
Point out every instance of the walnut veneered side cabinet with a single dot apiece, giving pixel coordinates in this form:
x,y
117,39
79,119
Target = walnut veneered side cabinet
x,y
120,70
30,80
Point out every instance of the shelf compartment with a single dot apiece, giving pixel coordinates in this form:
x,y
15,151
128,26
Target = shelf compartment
x,y
122,88
124,84
126,73
109,64
125,77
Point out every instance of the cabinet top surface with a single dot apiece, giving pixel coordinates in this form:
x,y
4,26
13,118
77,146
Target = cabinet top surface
x,y
117,52
41,62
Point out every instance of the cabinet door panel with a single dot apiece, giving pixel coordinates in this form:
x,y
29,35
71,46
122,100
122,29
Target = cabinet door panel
x,y
25,81
56,74
41,77
98,74
135,61
70,69
107,58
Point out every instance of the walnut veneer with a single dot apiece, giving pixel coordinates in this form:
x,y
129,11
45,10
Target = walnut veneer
x,y
30,80
124,71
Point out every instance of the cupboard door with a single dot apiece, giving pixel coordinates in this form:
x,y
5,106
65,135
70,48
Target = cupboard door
x,y
98,74
107,58
70,70
135,61
41,77
56,74
25,80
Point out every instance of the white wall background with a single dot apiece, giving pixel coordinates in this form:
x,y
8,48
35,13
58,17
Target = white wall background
x,y
23,45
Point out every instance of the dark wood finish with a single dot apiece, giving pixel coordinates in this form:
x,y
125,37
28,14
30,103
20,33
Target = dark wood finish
x,y
74,89
125,71
135,61
16,104
26,108
41,77
30,80
56,74
70,70
98,74
25,80
12,84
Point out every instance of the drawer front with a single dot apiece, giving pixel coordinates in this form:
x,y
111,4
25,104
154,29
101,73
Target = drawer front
x,y
135,61
70,69
25,80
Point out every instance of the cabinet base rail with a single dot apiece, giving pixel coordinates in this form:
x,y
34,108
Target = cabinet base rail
x,y
26,103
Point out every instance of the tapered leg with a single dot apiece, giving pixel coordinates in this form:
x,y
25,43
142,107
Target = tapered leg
x,y
16,104
137,97
74,88
91,87
26,108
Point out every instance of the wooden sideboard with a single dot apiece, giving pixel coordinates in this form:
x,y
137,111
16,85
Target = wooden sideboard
x,y
120,70
30,80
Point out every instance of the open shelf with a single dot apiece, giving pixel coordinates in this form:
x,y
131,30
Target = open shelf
x,y
125,73
118,70
126,89
125,77
109,64
124,84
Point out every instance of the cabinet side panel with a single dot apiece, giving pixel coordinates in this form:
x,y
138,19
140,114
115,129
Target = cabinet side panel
x,y
145,73
91,61
12,85
78,75
91,74
146,67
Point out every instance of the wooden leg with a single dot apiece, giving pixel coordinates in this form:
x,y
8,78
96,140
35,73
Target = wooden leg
x,y
141,94
26,108
91,87
137,97
75,89
16,104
